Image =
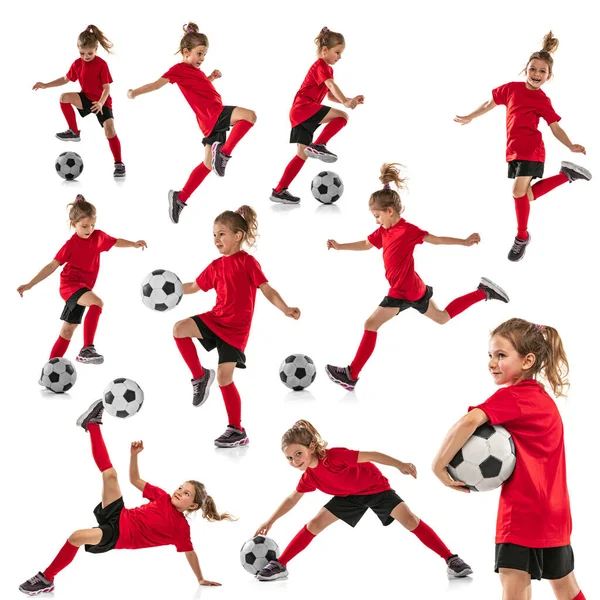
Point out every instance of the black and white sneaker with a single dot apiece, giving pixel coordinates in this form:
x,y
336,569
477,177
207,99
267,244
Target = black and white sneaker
x,y
69,136
341,376
38,584
274,570
573,171
232,437
175,206
320,151
119,170
492,290
457,567
89,356
283,197
219,159
92,415
517,252
202,387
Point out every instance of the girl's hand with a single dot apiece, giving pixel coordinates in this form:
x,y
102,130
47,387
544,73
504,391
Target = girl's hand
x,y
408,469
140,244
577,148
445,478
264,528
39,86
293,312
474,238
209,583
97,107
332,244
360,99
215,74
23,288
462,120
136,447
130,94
351,103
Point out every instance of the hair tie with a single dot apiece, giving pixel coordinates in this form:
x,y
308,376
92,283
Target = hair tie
x,y
189,29
386,186
79,198
89,27
540,328
325,30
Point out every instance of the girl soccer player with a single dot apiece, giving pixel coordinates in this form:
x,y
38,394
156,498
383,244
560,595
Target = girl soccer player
x,y
356,485
308,114
235,277
213,118
161,522
81,257
533,527
525,153
92,73
398,239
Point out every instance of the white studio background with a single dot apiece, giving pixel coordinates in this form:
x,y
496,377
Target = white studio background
x,y
418,64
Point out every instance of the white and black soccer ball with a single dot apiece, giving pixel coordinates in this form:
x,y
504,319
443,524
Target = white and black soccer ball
x,y
327,187
487,459
69,165
297,371
257,553
122,398
58,375
161,290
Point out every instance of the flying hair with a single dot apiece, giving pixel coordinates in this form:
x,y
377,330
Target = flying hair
x,y
244,219
81,209
388,197
206,504
328,39
91,36
191,38
549,46
304,433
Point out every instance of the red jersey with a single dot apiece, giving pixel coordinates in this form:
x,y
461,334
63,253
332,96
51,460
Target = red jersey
x,y
157,523
534,509
200,93
398,243
311,93
82,258
92,76
339,474
235,279
524,107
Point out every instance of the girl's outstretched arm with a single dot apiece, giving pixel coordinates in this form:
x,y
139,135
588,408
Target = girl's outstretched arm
x,y
284,508
474,238
42,86
275,299
484,108
192,558
335,91
45,272
149,87
384,459
134,471
561,135
190,287
121,243
362,245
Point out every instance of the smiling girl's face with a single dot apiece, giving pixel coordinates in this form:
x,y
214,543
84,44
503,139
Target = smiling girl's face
x,y
300,457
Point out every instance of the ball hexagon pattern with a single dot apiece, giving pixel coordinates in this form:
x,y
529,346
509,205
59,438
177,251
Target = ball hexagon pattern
x,y
297,371
69,165
58,375
327,187
161,290
486,461
122,398
257,553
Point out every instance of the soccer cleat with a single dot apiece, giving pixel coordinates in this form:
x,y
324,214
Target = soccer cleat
x,y
38,584
284,197
517,252
219,159
320,151
175,206
92,415
274,570
202,387
573,171
232,437
492,290
457,567
341,376
88,355
69,136
119,170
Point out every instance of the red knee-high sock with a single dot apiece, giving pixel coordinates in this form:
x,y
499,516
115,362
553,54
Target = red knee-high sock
x,y
197,176
547,185
115,148
99,451
330,130
69,113
365,349
190,355
579,596
63,559
522,209
91,324
240,129
60,347
461,304
431,539
233,404
303,538
290,173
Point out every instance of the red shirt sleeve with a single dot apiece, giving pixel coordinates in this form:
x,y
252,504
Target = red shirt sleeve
x,y
500,94
501,408
105,74
64,253
106,242
305,484
173,74
73,74
257,277
343,456
205,279
183,542
375,238
416,233
548,113
151,492
323,72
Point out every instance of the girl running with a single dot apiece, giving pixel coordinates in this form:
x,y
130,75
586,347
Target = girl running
x,y
307,112
213,118
533,527
235,277
525,153
398,239
356,485
161,522
81,257
92,73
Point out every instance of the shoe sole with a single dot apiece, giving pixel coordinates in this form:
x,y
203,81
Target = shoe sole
x,y
213,152
171,199
118,175
46,591
495,287
211,378
282,201
64,140
463,573
87,413
326,158
274,578
346,386
522,253
577,169
90,361
243,442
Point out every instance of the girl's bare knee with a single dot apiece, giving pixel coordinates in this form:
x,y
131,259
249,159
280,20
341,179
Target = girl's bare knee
x,y
251,117
179,329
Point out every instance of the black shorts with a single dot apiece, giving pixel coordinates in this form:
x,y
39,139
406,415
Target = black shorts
x,y
210,340
73,312
525,168
108,521
105,114
422,304
219,131
351,509
540,563
303,132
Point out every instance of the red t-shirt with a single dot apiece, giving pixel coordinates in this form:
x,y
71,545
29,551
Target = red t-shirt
x,y
311,93
157,523
341,475
235,279
398,243
524,107
200,93
534,509
92,76
83,261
